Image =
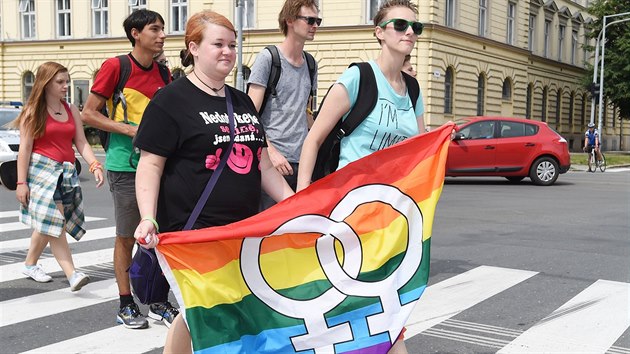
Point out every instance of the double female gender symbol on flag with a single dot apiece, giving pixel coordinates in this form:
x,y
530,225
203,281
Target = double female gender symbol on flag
x,y
321,337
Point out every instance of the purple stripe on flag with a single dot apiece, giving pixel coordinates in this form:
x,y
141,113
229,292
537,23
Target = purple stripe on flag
x,y
380,348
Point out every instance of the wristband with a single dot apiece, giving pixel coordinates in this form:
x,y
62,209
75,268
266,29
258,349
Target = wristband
x,y
18,183
152,220
95,166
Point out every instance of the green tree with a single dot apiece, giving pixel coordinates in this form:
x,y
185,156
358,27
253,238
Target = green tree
x,y
617,55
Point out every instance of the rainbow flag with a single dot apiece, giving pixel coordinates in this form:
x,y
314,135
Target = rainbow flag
x,y
337,268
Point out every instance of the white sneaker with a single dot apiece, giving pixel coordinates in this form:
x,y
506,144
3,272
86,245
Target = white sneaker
x,y
78,280
37,273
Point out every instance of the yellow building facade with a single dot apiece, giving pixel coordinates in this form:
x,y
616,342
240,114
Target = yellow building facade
x,y
475,57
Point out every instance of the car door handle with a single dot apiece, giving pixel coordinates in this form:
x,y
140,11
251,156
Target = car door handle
x,y
489,147
530,144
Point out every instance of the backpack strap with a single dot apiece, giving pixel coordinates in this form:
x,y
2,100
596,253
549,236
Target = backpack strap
x,y
413,88
274,76
365,102
312,67
164,73
118,96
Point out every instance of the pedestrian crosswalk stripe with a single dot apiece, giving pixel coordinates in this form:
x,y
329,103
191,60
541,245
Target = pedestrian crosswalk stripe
x,y
54,302
111,340
448,298
90,235
600,309
14,226
14,271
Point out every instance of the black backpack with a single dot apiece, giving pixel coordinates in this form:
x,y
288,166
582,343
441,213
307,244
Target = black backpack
x,y
119,98
276,70
328,154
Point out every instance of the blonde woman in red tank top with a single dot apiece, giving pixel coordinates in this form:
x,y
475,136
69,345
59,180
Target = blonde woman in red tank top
x,y
48,186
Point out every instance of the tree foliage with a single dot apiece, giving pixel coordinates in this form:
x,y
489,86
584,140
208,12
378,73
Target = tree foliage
x,y
617,53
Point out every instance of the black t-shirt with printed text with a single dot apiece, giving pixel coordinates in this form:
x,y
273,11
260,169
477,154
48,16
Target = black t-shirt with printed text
x,y
190,128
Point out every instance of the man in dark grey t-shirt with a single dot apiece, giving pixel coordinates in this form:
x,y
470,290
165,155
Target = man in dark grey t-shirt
x,y
284,118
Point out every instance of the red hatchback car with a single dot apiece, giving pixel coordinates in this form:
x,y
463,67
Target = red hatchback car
x,y
513,148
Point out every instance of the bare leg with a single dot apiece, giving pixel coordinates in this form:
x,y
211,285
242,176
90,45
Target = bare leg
x,y
398,348
122,260
38,243
61,250
178,338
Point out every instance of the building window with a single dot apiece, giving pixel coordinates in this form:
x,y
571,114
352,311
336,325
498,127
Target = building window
x,y
547,34
448,90
545,98
571,108
532,33
81,91
558,107
179,15
483,17
528,101
63,19
27,11
135,5
574,46
481,91
28,79
372,8
506,92
561,32
585,49
450,13
248,13
100,10
511,22
177,73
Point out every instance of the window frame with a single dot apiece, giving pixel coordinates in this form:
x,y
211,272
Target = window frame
x,y
100,10
449,14
574,46
135,5
28,29
64,18
506,89
178,25
28,80
511,22
531,32
483,18
449,75
547,40
545,101
562,30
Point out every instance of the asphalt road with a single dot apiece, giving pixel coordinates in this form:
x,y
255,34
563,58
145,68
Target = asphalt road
x,y
514,268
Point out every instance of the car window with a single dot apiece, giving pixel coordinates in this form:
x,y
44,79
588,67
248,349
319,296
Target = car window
x,y
478,130
7,116
513,129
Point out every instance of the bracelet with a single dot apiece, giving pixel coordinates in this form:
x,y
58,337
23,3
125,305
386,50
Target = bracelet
x,y
152,220
95,166
18,183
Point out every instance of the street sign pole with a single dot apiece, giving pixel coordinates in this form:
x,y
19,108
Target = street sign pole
x,y
239,35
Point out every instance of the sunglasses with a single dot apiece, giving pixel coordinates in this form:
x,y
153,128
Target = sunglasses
x,y
311,20
401,25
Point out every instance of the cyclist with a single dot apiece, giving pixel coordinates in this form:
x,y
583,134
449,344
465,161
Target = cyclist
x,y
591,141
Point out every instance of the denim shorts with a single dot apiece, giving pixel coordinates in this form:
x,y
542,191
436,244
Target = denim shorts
x,y
122,185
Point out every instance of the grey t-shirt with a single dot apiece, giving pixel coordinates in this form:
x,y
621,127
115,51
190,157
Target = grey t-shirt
x,y
284,117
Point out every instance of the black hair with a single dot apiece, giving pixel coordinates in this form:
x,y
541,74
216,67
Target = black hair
x,y
138,19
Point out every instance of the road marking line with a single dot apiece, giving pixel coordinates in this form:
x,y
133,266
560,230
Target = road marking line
x,y
14,226
54,302
448,298
90,235
111,340
591,322
14,271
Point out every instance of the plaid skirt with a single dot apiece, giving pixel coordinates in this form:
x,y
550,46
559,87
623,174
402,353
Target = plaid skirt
x,y
42,213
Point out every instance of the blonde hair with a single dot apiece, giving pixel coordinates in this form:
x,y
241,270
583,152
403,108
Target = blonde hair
x,y
33,116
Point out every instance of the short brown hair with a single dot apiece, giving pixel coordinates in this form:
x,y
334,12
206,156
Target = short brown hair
x,y
195,27
388,5
291,10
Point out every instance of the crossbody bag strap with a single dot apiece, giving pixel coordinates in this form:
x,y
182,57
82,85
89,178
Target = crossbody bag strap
x,y
215,175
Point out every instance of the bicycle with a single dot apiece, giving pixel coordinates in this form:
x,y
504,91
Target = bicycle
x,y
593,164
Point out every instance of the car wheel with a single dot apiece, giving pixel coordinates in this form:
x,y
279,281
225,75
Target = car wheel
x,y
515,179
544,171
